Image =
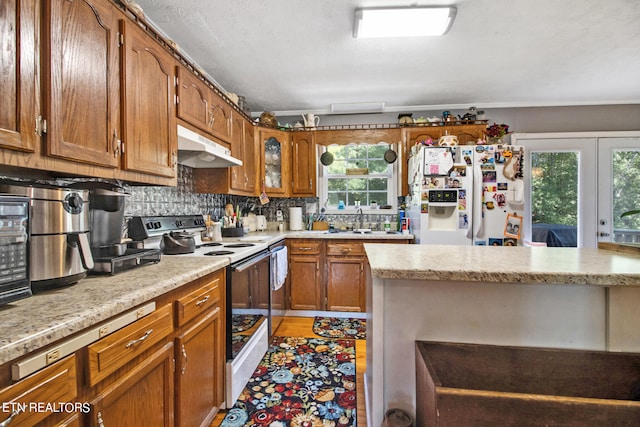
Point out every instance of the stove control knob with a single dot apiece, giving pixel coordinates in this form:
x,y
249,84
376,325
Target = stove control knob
x,y
157,225
178,223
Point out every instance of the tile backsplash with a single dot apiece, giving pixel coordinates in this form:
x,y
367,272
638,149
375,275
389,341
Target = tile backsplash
x,y
183,200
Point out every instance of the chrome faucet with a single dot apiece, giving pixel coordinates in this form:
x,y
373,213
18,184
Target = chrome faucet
x,y
360,215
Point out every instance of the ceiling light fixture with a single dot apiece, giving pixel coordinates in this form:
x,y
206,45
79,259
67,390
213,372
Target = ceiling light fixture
x,y
357,107
403,22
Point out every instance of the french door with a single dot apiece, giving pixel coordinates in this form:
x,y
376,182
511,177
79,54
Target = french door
x,y
578,186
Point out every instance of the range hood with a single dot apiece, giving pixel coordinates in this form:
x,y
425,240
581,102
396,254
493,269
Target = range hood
x,y
196,151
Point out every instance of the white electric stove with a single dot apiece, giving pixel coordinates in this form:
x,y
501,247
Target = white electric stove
x,y
249,292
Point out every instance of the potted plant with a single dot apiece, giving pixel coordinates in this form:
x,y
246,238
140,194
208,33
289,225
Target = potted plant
x,y
496,132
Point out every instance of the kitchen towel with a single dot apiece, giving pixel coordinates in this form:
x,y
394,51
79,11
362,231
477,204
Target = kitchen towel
x,y
280,266
295,219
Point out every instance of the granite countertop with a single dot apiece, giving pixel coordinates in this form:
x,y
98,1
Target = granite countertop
x,y
537,265
46,317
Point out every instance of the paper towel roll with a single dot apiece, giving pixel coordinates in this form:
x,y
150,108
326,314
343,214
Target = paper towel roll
x,y
295,219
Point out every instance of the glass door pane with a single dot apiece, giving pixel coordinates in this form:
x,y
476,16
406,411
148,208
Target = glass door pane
x,y
561,191
554,198
619,186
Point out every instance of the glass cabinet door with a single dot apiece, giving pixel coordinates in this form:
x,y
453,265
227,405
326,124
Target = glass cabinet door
x,y
273,164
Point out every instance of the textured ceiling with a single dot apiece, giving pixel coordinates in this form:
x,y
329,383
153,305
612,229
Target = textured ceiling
x,y
299,55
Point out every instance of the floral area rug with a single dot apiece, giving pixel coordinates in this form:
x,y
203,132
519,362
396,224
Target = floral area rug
x,y
340,327
300,382
242,322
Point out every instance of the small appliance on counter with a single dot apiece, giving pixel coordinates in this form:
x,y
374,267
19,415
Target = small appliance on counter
x,y
14,249
59,245
111,255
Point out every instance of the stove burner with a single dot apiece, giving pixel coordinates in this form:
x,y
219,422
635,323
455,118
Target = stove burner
x,y
208,244
239,245
214,253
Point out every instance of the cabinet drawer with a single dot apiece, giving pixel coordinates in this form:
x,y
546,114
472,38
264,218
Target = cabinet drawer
x,y
114,351
302,248
55,383
345,249
198,301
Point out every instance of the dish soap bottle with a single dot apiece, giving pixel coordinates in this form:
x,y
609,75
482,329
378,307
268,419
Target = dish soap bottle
x,y
387,224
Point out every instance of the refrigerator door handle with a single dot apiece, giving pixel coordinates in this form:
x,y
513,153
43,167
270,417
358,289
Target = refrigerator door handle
x,y
478,208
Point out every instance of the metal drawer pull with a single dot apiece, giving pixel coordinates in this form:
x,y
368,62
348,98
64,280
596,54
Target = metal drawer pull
x,y
186,359
100,422
202,301
8,421
304,249
345,250
142,338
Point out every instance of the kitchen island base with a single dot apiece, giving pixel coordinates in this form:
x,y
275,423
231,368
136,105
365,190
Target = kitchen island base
x,y
470,384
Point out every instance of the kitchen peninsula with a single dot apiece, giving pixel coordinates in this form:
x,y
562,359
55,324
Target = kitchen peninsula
x,y
519,296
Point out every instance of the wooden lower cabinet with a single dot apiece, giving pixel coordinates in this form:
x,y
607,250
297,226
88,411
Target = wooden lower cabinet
x,y
328,274
55,383
305,279
199,371
141,397
345,284
305,276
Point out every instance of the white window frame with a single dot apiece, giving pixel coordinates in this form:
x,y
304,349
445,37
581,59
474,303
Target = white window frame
x,y
392,189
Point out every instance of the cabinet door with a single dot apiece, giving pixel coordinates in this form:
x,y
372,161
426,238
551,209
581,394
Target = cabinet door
x,y
220,118
249,163
199,371
82,81
305,283
345,284
237,179
149,121
193,100
18,84
142,397
274,151
303,161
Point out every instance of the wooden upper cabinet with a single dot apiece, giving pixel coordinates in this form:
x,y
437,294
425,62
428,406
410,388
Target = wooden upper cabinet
x,y
150,128
220,118
193,100
82,81
249,163
18,84
303,162
276,169
237,179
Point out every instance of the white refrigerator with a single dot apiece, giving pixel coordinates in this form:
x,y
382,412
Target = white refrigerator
x,y
440,182
469,194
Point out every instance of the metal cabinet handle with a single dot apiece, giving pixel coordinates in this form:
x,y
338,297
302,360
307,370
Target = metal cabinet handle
x,y
212,119
186,360
116,144
202,301
100,421
304,249
345,250
139,340
8,421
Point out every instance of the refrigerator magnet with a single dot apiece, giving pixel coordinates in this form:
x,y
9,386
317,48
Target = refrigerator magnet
x,y
513,226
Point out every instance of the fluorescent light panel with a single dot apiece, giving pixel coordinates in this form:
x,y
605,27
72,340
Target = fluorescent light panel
x,y
403,22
